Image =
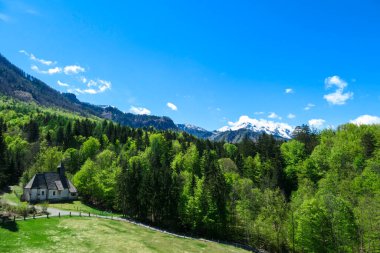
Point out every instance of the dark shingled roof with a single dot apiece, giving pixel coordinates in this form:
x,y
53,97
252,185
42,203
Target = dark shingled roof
x,y
50,181
38,181
51,177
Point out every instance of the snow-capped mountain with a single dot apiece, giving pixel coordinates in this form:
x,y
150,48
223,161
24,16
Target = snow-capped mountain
x,y
195,130
277,129
245,127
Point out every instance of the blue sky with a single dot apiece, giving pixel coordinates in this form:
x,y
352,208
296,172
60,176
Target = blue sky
x,y
205,62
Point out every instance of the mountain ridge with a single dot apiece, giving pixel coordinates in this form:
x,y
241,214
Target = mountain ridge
x,y
14,82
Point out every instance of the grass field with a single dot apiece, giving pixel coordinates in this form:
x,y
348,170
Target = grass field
x,y
95,235
78,206
11,196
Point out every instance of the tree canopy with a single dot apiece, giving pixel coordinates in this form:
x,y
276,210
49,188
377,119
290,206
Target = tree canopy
x,y
319,192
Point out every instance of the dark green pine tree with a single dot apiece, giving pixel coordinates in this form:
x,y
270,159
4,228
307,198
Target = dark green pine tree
x,y
307,136
12,172
247,147
3,125
48,138
60,136
3,161
122,192
32,130
68,135
76,128
215,189
368,142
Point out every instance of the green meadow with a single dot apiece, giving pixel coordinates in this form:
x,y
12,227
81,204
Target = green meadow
x,y
95,235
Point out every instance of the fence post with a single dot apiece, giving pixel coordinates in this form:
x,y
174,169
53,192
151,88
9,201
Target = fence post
x,y
80,214
89,215
14,218
70,214
34,215
47,216
59,214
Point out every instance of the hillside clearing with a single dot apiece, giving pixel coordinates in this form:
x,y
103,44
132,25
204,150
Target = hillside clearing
x,y
90,235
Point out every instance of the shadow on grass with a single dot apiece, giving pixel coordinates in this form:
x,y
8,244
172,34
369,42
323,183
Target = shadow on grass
x,y
11,226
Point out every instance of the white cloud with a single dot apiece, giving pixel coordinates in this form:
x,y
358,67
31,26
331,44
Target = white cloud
x,y
309,106
34,58
338,97
51,71
316,123
335,81
289,91
62,84
139,110
73,69
55,70
273,115
35,68
172,106
86,91
93,86
291,116
92,83
83,79
104,85
98,86
42,61
366,120
259,113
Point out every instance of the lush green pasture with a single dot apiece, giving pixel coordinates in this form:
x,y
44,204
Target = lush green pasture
x,y
95,235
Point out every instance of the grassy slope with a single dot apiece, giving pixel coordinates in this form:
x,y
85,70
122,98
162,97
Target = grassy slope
x,y
95,235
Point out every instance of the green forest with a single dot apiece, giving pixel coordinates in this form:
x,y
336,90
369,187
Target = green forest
x,y
319,192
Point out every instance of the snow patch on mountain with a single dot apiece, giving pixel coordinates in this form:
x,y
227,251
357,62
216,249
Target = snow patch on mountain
x,y
259,125
195,130
192,127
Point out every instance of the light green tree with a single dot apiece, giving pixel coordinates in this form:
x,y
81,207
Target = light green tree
x,y
89,148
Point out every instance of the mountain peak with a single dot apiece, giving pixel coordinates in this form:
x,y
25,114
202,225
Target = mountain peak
x,y
278,129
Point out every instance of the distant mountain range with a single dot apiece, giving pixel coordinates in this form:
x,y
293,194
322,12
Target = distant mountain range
x,y
14,82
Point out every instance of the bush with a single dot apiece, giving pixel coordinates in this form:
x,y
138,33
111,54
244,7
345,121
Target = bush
x,y
45,206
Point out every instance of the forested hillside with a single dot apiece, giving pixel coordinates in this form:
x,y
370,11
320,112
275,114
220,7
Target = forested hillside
x,y
15,83
319,192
